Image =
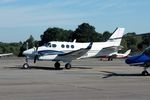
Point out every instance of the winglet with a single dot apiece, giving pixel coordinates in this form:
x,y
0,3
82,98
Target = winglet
x,y
90,45
127,52
74,40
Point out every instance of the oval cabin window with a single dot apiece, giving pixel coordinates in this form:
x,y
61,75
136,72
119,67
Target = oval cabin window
x,y
62,45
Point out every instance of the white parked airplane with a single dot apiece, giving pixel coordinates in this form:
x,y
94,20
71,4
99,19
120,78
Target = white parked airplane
x,y
122,55
68,51
116,55
6,54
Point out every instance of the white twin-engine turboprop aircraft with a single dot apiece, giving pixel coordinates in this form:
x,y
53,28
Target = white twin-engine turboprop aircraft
x,y
68,51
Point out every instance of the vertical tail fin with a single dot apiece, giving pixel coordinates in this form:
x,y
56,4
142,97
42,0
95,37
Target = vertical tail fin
x,y
127,52
117,36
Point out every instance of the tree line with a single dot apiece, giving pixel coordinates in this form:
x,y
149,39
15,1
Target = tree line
x,y
10,47
83,33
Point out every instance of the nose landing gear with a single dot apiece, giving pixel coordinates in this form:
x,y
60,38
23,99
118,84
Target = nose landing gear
x,y
26,65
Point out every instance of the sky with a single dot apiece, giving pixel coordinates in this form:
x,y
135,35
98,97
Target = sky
x,y
21,18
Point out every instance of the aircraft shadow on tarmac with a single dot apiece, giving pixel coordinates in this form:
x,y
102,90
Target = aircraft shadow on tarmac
x,y
81,68
111,74
44,68
34,67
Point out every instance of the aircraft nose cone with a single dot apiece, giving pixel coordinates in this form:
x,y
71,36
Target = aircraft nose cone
x,y
136,59
25,52
28,52
128,61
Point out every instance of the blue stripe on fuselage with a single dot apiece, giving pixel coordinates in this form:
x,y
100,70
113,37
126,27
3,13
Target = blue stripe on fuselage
x,y
50,52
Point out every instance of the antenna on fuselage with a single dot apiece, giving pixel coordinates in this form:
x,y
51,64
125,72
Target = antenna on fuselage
x,y
74,40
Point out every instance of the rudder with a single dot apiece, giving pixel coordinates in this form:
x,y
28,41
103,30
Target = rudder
x,y
117,35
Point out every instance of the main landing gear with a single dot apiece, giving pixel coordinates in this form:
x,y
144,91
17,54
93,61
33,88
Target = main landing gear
x,y
145,72
57,65
68,66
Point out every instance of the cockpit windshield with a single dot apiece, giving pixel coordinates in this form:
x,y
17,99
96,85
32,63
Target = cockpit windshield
x,y
47,44
147,51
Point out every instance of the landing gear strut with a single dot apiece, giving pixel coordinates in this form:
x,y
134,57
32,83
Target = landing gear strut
x,y
145,72
26,65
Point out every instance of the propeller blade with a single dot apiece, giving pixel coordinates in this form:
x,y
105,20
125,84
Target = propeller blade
x,y
36,48
35,58
37,45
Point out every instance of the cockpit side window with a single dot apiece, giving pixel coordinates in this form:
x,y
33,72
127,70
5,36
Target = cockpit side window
x,y
72,46
54,45
147,51
49,44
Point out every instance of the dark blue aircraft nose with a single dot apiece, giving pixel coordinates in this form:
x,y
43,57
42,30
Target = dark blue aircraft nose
x,y
128,61
138,59
134,59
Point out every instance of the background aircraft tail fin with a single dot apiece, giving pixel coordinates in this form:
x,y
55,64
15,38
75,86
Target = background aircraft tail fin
x,y
117,36
127,52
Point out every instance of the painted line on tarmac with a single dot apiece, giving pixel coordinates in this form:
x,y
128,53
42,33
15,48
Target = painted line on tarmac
x,y
147,76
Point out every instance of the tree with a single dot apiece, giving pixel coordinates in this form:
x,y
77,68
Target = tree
x,y
146,39
106,35
131,41
84,33
29,43
55,34
145,42
9,48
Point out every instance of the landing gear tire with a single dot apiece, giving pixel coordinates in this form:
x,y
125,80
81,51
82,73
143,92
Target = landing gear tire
x,y
25,66
68,66
145,73
57,65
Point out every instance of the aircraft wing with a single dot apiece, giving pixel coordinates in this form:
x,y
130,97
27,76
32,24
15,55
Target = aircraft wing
x,y
6,54
109,50
74,54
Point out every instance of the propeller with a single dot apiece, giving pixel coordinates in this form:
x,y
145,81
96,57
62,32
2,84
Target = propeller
x,y
35,58
36,53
